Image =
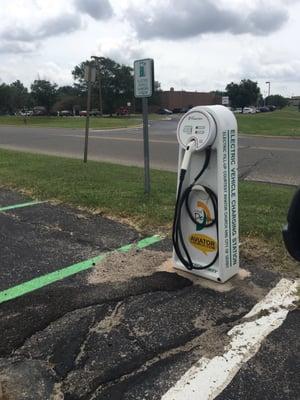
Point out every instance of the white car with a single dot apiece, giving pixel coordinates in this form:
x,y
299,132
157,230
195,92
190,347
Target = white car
x,y
238,111
249,110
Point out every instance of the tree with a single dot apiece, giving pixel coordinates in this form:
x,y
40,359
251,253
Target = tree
x,y
116,83
277,100
19,96
246,93
44,93
4,98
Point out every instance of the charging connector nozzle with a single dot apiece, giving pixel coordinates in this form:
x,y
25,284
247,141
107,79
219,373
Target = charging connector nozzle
x,y
191,147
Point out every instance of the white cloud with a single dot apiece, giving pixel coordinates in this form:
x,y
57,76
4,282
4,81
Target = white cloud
x,y
170,20
61,24
97,9
196,44
124,52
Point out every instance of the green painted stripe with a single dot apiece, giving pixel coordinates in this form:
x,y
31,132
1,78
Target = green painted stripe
x,y
38,283
30,203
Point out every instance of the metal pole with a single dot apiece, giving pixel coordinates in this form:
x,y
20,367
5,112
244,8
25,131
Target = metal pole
x,y
87,121
146,145
100,84
100,92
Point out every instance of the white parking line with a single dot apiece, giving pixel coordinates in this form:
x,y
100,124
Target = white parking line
x,y
209,377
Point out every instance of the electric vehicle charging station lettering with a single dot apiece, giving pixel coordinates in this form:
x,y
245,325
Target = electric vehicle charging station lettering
x,y
205,227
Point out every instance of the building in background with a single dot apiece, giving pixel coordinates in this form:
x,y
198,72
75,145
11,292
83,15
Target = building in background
x,y
173,99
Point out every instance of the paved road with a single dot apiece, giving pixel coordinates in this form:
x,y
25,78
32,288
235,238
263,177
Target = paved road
x,y
263,159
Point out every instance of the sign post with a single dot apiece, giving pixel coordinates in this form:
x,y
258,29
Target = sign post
x,y
143,88
225,100
90,76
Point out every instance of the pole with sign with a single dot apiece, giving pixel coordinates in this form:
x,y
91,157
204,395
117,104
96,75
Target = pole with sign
x,y
90,76
225,100
143,88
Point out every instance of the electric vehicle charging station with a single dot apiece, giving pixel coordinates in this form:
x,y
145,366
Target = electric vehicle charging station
x,y
205,228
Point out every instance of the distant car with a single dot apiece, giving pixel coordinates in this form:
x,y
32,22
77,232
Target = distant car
x,y
177,110
65,113
238,111
95,113
122,111
82,113
264,109
272,108
25,113
249,110
164,111
180,110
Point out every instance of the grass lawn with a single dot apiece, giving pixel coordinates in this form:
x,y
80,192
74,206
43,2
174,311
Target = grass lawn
x,y
285,122
72,122
117,191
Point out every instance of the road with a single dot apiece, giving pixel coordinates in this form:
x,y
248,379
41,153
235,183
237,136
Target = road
x,y
264,159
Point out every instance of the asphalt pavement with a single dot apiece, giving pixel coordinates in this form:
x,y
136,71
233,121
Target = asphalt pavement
x,y
263,159
128,326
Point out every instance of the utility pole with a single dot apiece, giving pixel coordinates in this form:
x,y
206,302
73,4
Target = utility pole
x,y
98,61
269,88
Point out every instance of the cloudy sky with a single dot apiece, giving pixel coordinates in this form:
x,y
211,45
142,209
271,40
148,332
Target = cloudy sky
x,y
196,44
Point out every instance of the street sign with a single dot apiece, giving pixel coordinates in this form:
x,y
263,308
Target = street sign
x,y
143,88
225,100
143,78
90,76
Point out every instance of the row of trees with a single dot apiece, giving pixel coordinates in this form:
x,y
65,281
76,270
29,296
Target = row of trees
x,y
247,93
116,85
117,90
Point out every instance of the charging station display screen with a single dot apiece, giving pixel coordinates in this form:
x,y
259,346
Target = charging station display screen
x,y
196,125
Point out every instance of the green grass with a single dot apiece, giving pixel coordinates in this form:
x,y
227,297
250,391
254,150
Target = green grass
x,y
78,122
72,122
118,190
285,122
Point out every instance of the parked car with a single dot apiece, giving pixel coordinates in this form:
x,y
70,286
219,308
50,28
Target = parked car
x,y
163,111
180,110
39,111
82,113
249,110
264,109
95,113
122,111
24,113
65,113
177,110
238,111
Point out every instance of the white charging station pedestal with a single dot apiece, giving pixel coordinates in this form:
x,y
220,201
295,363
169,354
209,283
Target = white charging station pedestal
x,y
213,128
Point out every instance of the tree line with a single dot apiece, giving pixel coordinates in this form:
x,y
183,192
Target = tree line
x,y
116,87
116,91
247,93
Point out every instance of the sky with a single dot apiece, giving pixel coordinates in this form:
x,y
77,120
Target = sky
x,y
197,45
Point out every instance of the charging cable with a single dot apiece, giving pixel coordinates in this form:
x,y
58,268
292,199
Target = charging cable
x,y
182,200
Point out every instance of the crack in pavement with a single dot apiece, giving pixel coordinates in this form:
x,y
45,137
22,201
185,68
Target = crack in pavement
x,y
252,166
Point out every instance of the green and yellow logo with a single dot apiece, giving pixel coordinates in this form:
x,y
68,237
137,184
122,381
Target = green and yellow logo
x,y
204,243
202,215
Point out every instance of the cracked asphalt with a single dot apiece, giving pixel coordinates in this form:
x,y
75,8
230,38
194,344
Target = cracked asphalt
x,y
130,327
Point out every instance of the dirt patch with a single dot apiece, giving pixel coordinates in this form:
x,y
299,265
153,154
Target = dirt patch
x,y
269,256
121,267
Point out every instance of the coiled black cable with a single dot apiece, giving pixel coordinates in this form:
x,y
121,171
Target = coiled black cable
x,y
183,199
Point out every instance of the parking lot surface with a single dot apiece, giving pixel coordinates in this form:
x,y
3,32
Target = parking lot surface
x,y
127,326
